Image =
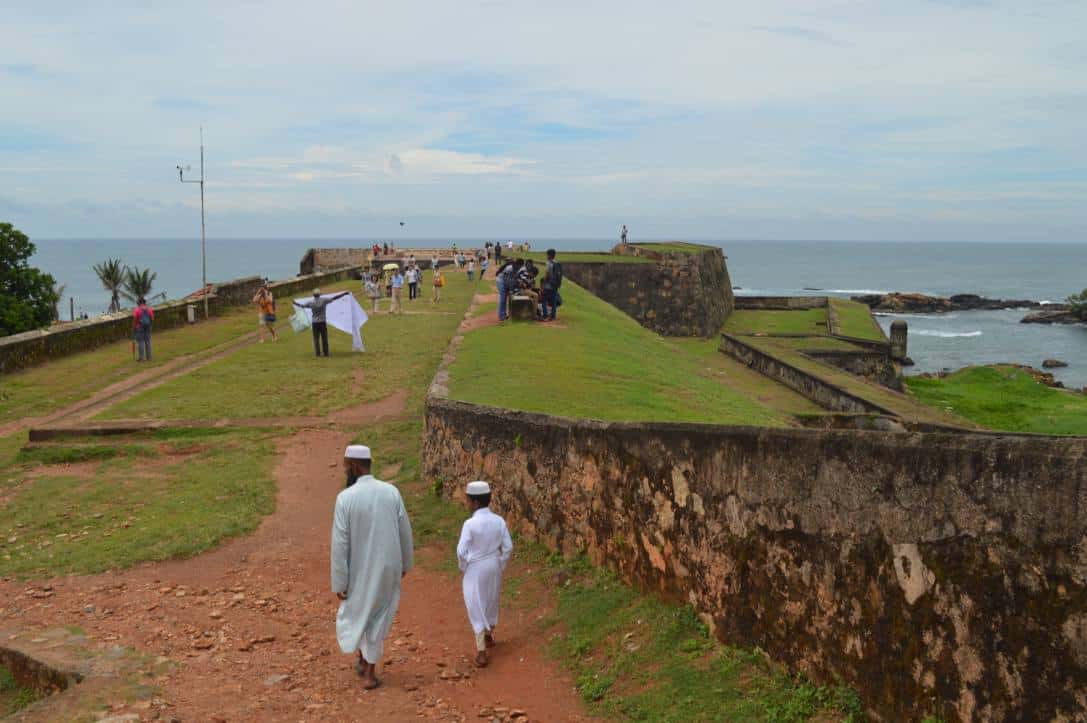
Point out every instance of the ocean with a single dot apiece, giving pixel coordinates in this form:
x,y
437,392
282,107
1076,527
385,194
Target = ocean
x,y
1039,271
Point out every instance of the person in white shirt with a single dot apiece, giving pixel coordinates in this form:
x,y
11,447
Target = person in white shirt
x,y
482,553
371,551
471,270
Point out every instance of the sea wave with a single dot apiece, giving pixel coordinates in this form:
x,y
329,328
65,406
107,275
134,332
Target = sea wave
x,y
857,291
944,334
906,315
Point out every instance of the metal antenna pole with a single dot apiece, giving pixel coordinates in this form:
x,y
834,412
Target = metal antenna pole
x,y
203,231
203,236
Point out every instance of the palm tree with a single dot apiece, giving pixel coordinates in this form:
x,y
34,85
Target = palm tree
x,y
138,283
58,296
111,273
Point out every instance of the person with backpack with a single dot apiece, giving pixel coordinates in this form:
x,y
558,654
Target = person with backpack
x,y
143,316
551,282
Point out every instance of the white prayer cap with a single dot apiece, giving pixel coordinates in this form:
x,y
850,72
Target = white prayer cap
x,y
316,292
356,451
479,487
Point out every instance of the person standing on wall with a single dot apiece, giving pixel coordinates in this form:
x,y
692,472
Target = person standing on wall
x,y
623,235
267,315
143,316
320,328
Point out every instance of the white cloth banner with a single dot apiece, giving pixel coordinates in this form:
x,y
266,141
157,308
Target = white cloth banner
x,y
344,314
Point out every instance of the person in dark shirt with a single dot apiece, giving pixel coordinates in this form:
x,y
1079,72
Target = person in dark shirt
x,y
320,328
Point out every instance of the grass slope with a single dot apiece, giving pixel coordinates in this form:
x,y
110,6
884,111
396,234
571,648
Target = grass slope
x,y
637,658
286,379
13,697
130,503
598,364
1005,398
855,320
46,388
800,321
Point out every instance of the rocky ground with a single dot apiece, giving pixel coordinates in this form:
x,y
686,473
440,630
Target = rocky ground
x,y
251,626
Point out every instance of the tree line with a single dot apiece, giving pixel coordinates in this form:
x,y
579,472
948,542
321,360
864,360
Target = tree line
x,y
30,298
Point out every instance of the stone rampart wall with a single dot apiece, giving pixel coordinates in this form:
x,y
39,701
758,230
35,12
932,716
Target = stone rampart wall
x,y
679,295
781,303
36,347
938,574
876,366
821,391
321,260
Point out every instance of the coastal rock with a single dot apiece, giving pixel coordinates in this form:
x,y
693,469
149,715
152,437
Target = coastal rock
x,y
1053,364
1052,316
910,303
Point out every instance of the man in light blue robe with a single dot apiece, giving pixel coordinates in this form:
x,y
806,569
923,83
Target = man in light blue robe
x,y
371,552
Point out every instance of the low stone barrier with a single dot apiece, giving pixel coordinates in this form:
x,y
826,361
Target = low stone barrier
x,y
781,303
824,393
941,574
31,348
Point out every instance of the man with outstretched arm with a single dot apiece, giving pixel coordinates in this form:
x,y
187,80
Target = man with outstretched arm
x,y
371,552
320,328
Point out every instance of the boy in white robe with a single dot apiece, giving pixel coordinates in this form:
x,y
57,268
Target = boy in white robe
x,y
371,551
482,553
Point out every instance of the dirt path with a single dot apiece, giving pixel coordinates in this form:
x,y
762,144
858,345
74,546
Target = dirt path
x,y
252,624
131,386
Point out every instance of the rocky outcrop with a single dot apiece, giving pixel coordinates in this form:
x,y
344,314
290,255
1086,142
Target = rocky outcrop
x,y
1063,315
911,303
1053,364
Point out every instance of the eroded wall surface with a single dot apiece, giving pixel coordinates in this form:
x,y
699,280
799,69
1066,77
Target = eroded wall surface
x,y
936,573
679,294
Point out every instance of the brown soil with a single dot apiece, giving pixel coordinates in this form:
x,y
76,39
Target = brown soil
x,y
252,624
479,322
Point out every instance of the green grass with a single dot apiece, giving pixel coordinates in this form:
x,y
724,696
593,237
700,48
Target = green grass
x,y
726,370
1005,398
13,697
673,247
51,386
597,364
540,257
138,501
901,404
286,379
637,658
800,321
856,320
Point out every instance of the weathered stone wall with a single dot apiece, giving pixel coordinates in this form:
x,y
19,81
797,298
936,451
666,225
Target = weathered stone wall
x,y
781,303
680,294
821,391
874,365
942,574
316,261
31,348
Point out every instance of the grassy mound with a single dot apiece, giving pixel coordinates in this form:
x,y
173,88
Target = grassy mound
x,y
88,509
599,364
1004,398
855,320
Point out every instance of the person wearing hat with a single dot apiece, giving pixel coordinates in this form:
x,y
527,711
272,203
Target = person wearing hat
x,y
482,553
320,329
371,552
267,315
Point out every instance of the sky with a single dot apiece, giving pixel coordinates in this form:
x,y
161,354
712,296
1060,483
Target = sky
x,y
815,119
